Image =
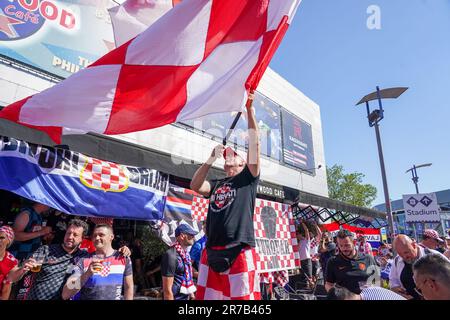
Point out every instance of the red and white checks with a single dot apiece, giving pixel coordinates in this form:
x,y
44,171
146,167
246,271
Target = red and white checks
x,y
104,175
201,57
284,230
199,209
9,233
240,282
108,221
280,278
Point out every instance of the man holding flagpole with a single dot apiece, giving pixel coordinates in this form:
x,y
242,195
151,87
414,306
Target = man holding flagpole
x,y
228,265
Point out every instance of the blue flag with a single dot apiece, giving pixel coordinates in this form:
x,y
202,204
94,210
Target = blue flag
x,y
80,185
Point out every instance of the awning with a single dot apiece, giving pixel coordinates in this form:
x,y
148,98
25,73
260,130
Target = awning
x,y
111,149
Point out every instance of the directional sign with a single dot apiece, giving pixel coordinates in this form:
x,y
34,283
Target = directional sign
x,y
421,207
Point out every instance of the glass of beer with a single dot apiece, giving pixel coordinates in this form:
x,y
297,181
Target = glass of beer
x,y
38,261
98,258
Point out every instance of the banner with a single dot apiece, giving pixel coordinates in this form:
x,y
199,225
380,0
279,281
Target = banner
x,y
373,236
182,206
274,225
80,185
421,207
276,241
58,36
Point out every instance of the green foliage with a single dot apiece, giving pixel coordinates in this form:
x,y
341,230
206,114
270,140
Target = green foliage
x,y
349,187
153,246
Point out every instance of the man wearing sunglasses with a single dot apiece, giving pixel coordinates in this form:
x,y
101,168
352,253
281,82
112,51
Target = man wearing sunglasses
x,y
432,277
401,275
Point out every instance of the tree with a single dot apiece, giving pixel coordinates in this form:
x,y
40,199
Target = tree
x,y
349,187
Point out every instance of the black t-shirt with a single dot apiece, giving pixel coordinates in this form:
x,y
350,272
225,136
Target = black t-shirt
x,y
350,273
406,277
231,209
172,266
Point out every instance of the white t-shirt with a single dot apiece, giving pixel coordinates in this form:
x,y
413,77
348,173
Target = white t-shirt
x,y
305,249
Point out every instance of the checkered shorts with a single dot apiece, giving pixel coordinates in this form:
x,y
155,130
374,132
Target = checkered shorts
x,y
240,282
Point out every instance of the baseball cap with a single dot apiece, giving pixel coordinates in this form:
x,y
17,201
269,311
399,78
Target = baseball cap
x,y
229,152
430,233
184,228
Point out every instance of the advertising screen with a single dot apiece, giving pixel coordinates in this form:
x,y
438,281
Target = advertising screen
x,y
298,148
268,118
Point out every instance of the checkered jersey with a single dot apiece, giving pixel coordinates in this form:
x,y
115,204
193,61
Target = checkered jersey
x,y
58,265
104,175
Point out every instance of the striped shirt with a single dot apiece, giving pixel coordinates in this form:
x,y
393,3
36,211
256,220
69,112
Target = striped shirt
x,y
378,293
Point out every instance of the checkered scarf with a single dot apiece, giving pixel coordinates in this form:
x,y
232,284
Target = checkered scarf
x,y
187,285
364,248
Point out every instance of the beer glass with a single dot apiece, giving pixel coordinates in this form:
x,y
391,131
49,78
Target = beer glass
x,y
39,260
98,258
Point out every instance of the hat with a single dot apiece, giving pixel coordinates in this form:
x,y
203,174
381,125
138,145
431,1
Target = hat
x,y
9,232
184,228
230,153
430,233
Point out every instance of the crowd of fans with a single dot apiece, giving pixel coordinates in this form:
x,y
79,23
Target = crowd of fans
x,y
54,256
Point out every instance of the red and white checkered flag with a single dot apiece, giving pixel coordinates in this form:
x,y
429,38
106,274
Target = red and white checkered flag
x,y
201,57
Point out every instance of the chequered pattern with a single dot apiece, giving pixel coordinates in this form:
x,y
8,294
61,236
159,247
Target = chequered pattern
x,y
104,175
240,282
199,209
121,92
280,278
106,269
285,229
108,221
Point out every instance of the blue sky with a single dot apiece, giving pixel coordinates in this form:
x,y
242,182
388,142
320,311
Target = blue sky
x,y
331,55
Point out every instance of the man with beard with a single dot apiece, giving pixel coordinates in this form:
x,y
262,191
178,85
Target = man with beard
x,y
401,276
101,278
176,266
58,262
350,269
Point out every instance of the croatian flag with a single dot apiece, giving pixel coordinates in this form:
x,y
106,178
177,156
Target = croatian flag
x,y
199,58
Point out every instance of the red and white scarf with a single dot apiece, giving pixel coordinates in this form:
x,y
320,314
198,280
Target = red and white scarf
x,y
187,285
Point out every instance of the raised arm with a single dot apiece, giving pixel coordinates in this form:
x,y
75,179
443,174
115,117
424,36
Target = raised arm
x,y
199,183
253,155
305,228
21,223
319,232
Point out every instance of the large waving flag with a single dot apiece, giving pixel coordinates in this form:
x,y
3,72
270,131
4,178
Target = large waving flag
x,y
134,16
201,57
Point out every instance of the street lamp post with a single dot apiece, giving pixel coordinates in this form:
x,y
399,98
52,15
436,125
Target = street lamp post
x,y
374,118
415,179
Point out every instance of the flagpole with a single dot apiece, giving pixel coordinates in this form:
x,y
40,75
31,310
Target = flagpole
x,y
236,119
